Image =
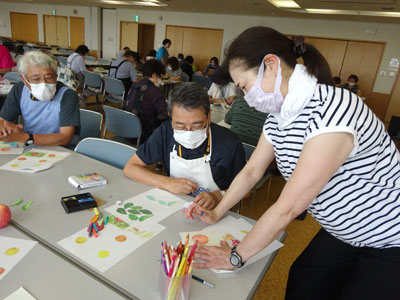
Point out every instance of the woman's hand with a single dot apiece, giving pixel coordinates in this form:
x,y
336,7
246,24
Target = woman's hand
x,y
207,216
214,257
208,200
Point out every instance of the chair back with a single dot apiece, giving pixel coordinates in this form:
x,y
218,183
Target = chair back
x,y
62,60
93,80
103,61
90,58
199,79
114,86
90,123
110,152
122,123
12,77
62,50
248,150
184,77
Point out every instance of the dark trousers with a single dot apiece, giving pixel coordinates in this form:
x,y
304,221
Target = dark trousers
x,y
330,269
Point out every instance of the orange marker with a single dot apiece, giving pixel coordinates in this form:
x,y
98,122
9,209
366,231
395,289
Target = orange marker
x,y
94,219
94,233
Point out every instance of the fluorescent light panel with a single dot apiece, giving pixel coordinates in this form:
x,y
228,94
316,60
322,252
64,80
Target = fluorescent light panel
x,y
284,3
139,3
353,12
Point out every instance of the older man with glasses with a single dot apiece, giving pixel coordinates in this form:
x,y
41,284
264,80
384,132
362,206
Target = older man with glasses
x,y
50,110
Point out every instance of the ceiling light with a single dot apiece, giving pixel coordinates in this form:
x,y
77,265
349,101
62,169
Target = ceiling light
x,y
353,12
284,3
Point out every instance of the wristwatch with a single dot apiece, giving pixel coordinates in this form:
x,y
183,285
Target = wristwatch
x,y
236,259
29,141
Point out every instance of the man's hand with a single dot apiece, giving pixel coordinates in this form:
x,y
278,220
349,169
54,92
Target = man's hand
x,y
208,200
13,133
181,186
214,257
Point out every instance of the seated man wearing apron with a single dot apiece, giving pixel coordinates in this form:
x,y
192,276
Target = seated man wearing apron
x,y
124,69
200,157
50,109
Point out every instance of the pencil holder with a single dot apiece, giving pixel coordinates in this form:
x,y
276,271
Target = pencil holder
x,y
173,288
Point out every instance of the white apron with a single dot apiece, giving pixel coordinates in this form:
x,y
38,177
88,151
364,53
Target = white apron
x,y
197,170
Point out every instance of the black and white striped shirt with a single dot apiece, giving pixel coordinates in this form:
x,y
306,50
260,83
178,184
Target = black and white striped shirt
x,y
360,205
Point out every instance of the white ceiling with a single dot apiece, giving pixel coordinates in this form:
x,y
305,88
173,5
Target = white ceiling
x,y
258,8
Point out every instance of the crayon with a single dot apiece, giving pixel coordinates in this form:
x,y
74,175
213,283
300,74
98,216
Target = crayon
x,y
90,227
94,232
96,211
94,219
95,227
106,220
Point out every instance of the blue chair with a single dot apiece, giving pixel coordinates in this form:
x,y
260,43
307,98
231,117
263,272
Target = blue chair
x,y
114,90
123,124
90,58
13,77
62,50
93,85
249,149
103,61
90,124
106,151
200,79
62,60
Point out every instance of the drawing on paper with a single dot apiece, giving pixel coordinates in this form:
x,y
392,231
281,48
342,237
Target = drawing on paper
x,y
103,254
117,222
142,233
135,213
162,202
12,251
120,238
80,240
18,202
34,154
202,239
27,206
2,270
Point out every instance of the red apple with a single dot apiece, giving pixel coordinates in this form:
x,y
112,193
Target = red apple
x,y
5,215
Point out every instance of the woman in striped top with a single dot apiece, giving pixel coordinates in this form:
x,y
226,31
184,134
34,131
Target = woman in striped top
x,y
339,162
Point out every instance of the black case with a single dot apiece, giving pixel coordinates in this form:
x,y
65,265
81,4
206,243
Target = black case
x,y
78,202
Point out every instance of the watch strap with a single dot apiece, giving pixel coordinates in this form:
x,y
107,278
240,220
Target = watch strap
x,y
237,255
29,141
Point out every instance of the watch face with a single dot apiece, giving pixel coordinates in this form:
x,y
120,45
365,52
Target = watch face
x,y
29,142
234,260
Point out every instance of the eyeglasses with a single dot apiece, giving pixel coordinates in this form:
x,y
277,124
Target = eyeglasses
x,y
46,79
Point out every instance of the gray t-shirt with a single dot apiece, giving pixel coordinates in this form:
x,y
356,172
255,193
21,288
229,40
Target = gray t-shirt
x,y
125,70
69,106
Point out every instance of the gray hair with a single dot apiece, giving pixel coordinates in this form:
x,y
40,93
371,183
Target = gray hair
x,y
36,58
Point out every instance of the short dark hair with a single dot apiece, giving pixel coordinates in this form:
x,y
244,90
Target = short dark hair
x,y
82,49
189,95
166,41
189,59
337,80
133,54
173,62
153,66
180,56
126,48
353,76
152,53
214,59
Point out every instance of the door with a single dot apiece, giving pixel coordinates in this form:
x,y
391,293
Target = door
x,y
145,38
77,32
175,34
50,30
129,35
62,31
362,59
24,27
333,51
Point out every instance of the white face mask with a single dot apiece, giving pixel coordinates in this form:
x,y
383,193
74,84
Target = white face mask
x,y
43,91
159,82
262,101
190,139
352,83
169,68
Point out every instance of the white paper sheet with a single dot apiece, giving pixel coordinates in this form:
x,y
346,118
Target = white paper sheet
x,y
35,160
11,148
20,294
147,208
230,230
111,245
12,250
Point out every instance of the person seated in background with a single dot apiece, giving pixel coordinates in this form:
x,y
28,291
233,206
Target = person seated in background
x,y
246,122
213,65
151,55
224,92
162,52
76,63
122,52
352,85
199,157
187,66
173,70
6,60
146,100
50,109
337,81
124,69
181,58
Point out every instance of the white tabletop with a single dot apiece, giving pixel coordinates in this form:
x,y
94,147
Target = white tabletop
x,y
218,112
46,276
136,276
